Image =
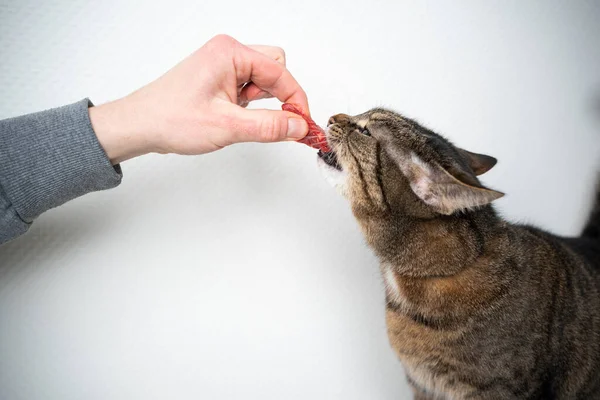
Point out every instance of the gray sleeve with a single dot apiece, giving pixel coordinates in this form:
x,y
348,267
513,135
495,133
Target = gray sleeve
x,y
46,159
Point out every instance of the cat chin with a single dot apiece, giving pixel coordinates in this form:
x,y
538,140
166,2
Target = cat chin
x,y
336,178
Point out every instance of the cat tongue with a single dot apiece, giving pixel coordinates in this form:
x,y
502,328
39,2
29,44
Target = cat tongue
x,y
316,136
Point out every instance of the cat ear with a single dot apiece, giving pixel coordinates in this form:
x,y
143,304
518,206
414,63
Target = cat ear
x,y
479,163
442,190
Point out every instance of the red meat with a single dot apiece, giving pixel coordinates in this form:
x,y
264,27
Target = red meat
x,y
316,136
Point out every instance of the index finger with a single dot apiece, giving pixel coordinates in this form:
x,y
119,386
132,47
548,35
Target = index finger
x,y
276,53
250,92
269,75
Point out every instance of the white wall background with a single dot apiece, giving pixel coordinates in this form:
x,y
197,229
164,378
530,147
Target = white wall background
x,y
241,274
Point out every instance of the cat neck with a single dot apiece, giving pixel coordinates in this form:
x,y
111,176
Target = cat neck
x,y
445,267
435,247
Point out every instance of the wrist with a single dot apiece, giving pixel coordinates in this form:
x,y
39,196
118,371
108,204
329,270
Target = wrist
x,y
119,131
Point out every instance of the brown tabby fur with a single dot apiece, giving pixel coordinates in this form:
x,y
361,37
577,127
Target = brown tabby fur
x,y
477,308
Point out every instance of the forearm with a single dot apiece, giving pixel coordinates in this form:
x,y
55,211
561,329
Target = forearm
x,y
47,159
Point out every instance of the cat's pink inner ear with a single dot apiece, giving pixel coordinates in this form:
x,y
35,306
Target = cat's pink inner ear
x,y
440,190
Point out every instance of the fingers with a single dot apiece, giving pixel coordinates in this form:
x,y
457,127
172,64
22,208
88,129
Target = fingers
x,y
250,92
276,53
263,125
259,72
268,75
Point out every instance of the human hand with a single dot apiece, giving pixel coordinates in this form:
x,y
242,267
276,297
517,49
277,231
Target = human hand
x,y
198,106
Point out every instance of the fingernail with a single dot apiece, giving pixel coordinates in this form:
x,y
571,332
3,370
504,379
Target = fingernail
x,y
297,128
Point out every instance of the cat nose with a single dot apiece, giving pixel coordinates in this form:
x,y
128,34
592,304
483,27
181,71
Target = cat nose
x,y
336,119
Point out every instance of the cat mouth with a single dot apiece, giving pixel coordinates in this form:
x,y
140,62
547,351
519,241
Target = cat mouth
x,y
330,159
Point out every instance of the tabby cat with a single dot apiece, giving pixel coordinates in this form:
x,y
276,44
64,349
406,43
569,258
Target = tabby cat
x,y
477,307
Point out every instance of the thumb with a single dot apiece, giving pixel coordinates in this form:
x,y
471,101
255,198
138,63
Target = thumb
x,y
267,126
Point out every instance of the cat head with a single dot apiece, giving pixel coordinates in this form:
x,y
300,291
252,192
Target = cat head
x,y
388,164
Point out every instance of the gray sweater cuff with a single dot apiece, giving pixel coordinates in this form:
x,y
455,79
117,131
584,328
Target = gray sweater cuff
x,y
49,158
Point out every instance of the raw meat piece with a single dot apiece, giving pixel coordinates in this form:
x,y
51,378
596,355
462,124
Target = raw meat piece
x,y
316,135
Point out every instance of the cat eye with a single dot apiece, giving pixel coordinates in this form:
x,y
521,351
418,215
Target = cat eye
x,y
364,131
